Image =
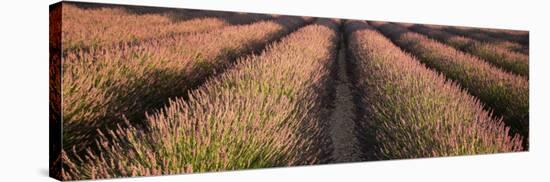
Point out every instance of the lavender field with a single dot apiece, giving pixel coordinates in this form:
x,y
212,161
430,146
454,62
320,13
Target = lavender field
x,y
141,91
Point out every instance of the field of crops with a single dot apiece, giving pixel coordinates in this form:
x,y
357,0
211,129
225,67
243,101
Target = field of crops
x,y
139,91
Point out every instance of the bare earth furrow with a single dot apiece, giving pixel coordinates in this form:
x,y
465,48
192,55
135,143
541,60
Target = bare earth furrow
x,y
342,119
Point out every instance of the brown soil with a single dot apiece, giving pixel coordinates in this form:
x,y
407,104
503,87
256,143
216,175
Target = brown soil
x,y
342,124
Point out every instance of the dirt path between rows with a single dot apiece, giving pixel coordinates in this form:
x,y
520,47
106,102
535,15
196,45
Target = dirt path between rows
x,y
342,125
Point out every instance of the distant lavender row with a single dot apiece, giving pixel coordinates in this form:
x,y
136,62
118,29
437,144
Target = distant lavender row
x,y
506,94
511,35
92,28
103,85
519,44
505,59
263,113
414,112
